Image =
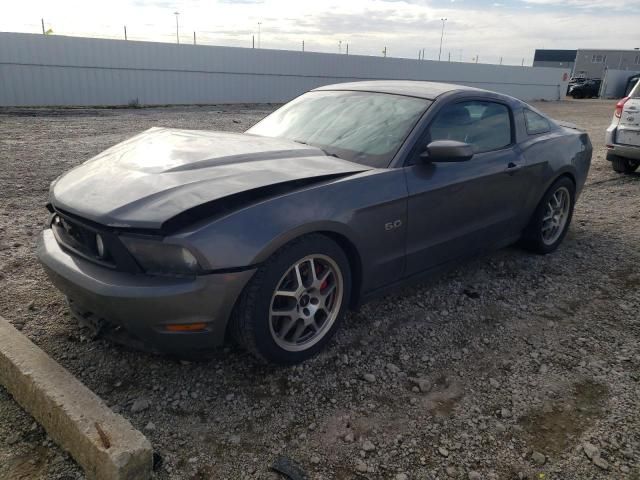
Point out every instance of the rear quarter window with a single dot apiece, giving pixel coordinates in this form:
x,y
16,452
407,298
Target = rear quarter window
x,y
535,122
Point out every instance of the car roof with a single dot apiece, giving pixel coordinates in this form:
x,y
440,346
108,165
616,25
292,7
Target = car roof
x,y
413,88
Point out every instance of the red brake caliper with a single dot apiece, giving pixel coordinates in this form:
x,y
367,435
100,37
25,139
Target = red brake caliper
x,y
323,285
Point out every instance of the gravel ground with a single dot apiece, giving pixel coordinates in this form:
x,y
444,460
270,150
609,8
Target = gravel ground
x,y
511,366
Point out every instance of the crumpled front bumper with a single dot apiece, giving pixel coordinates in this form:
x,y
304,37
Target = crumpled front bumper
x,y
141,306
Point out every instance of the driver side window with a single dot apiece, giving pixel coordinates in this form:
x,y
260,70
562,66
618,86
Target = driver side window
x,y
485,126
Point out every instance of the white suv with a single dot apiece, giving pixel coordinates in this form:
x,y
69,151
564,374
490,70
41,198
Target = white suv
x,y
623,135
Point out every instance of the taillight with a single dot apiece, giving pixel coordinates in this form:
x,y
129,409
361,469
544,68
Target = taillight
x,y
620,106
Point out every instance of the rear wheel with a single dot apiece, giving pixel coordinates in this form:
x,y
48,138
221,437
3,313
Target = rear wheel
x,y
295,301
623,165
550,222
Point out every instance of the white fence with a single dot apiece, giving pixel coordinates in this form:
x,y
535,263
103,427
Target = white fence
x,y
54,70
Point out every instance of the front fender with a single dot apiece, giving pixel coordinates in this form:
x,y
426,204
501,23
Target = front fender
x,y
285,237
356,208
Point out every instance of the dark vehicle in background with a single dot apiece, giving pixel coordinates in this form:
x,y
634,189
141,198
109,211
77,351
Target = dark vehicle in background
x,y
575,81
588,88
623,135
177,239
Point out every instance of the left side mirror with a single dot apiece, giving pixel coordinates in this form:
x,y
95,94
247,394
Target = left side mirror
x,y
447,151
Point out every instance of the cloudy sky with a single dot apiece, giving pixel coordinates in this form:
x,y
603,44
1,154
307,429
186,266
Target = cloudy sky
x,y
511,29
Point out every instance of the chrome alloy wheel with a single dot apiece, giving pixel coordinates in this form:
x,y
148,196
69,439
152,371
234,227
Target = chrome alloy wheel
x,y
556,216
306,303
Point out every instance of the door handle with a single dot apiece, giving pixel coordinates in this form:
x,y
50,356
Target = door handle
x,y
513,167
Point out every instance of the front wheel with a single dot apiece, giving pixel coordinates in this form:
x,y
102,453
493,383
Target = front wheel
x,y
623,165
550,222
294,303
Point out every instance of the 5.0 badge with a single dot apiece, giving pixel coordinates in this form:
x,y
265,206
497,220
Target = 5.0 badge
x,y
393,225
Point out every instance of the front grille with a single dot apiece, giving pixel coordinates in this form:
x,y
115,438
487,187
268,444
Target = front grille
x,y
81,238
76,237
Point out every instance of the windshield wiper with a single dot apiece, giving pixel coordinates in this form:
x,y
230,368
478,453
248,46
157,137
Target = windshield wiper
x,y
324,150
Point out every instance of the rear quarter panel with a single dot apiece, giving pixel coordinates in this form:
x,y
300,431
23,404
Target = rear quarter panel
x,y
550,155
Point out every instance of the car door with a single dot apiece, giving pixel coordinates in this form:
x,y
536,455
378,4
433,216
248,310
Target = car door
x,y
459,208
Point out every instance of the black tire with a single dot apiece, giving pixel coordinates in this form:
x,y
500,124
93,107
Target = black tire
x,y
250,322
577,95
532,238
623,165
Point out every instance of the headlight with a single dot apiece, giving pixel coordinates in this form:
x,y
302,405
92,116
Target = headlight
x,y
159,258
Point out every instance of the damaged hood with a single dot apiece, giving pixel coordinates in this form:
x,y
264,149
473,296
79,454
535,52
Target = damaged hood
x,y
160,173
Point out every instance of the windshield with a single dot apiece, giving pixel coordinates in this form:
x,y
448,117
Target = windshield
x,y
362,127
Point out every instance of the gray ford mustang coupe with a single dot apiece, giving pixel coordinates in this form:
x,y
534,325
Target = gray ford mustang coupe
x,y
175,240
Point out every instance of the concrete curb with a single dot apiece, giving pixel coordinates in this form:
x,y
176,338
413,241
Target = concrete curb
x,y
105,444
